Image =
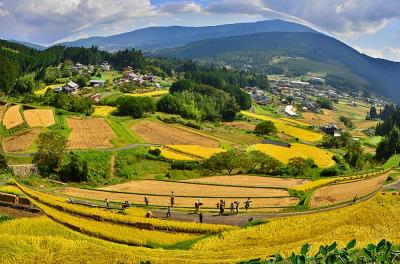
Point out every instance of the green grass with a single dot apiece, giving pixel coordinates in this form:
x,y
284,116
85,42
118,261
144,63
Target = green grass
x,y
266,110
136,164
18,160
373,141
122,126
392,162
4,218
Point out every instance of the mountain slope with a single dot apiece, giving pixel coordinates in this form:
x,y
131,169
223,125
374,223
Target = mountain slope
x,y
166,37
315,52
28,44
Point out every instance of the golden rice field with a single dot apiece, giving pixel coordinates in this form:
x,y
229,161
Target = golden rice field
x,y
196,151
152,94
39,117
248,180
172,155
13,118
294,121
103,111
43,241
44,90
188,202
321,157
334,194
285,128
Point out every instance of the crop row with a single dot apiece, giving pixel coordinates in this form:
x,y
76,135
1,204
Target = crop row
x,y
137,218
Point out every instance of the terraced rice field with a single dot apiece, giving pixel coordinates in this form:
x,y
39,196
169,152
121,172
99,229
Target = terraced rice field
x,y
22,141
241,125
196,151
156,133
247,180
315,119
89,133
186,189
321,157
12,118
288,129
39,117
172,155
103,111
189,201
334,194
364,124
353,112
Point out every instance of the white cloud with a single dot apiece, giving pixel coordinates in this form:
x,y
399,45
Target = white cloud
x,y
187,7
3,12
392,53
389,53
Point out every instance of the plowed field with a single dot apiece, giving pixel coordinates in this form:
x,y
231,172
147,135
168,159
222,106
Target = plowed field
x,y
39,117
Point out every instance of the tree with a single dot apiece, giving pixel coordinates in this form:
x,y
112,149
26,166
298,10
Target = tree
x,y
25,84
229,161
262,163
354,154
346,121
299,166
325,103
389,145
265,128
135,106
51,150
373,114
76,170
182,85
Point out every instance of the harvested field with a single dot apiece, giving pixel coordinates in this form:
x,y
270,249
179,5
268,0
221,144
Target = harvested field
x,y
186,189
333,194
241,125
364,124
21,141
353,112
12,117
247,180
89,133
179,201
321,119
157,133
39,117
321,157
2,108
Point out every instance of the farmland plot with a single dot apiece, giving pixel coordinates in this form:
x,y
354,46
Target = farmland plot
x,y
156,133
241,125
89,133
39,117
179,201
12,117
21,141
333,194
247,180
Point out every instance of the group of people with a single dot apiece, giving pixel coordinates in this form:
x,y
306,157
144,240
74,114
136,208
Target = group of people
x,y
234,206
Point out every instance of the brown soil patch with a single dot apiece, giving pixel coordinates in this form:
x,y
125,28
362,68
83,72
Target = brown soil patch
x,y
21,141
321,119
157,133
12,117
179,201
251,181
241,125
364,124
333,194
39,117
161,187
89,133
16,213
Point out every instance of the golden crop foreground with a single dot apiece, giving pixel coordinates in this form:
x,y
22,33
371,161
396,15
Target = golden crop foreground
x,y
42,241
321,157
103,111
172,155
135,216
286,128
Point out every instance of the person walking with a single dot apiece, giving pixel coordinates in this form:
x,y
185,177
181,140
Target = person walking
x,y
107,203
232,208
172,199
201,218
169,211
146,201
237,203
247,204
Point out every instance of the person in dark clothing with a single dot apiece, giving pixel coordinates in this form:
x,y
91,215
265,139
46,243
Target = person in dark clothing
x,y
237,203
107,203
201,218
232,208
247,204
172,199
146,201
169,210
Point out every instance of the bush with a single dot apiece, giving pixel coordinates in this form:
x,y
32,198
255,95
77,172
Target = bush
x,y
333,171
155,152
75,171
265,128
135,106
184,165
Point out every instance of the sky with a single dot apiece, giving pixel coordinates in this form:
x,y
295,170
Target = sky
x,y
370,26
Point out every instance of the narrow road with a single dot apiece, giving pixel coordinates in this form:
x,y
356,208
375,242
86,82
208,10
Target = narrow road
x,y
393,186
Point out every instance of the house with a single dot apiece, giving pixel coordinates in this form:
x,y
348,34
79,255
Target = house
x,y
289,111
57,89
105,66
96,97
97,83
331,129
70,87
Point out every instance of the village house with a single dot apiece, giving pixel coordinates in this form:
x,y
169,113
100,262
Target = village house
x,y
70,87
96,83
331,129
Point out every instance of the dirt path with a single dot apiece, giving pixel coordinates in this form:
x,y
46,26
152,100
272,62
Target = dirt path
x,y
393,186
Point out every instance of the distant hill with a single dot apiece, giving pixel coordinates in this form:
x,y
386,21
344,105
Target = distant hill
x,y
297,52
175,36
29,45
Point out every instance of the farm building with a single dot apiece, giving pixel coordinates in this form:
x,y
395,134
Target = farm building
x,y
289,111
331,129
97,83
70,87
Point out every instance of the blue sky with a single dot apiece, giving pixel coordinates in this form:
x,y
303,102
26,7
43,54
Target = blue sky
x,y
372,27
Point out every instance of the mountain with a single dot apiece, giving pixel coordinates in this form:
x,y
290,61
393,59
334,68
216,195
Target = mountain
x,y
29,45
175,36
298,53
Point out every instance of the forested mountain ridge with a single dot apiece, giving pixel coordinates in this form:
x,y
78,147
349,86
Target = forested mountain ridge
x,y
174,36
304,52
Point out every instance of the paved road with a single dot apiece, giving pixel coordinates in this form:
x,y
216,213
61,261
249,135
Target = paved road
x,y
132,146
